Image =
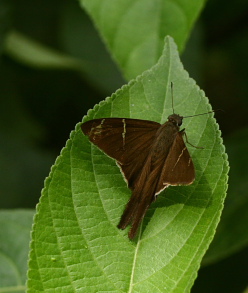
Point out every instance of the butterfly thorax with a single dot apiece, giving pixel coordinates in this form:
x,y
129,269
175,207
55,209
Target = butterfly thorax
x,y
165,137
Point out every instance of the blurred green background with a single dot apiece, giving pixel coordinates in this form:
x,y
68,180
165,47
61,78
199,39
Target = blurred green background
x,y
40,104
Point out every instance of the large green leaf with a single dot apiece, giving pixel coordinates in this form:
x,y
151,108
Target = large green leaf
x,y
76,246
134,30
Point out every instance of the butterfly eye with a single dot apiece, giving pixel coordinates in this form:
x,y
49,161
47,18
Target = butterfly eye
x,y
179,122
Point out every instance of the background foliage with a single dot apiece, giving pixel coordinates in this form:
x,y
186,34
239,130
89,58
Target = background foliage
x,y
41,101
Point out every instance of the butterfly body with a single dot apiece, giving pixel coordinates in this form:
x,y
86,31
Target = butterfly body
x,y
151,157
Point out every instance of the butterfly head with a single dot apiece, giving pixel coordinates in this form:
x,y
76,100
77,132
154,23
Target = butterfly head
x,y
176,119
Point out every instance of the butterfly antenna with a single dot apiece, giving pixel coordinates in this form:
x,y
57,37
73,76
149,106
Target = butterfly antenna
x,y
172,97
204,113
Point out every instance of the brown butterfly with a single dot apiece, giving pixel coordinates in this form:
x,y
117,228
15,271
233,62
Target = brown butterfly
x,y
151,157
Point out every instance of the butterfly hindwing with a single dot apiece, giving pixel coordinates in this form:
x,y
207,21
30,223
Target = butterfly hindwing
x,y
178,168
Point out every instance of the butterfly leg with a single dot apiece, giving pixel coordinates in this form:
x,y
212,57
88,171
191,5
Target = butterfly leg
x,y
186,138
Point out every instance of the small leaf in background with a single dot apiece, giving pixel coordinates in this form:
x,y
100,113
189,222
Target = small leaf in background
x,y
76,245
14,245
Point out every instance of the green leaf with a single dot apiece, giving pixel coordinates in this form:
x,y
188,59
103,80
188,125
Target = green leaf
x,y
76,245
14,244
32,53
134,30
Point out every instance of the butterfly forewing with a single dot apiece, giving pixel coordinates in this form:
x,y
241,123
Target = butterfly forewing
x,y
121,138
126,140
